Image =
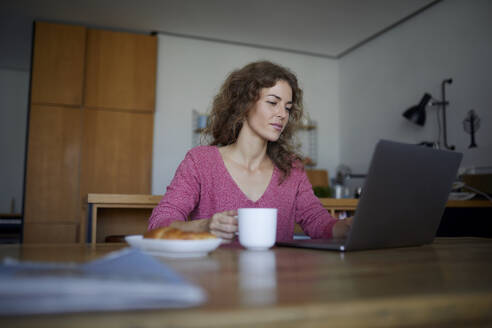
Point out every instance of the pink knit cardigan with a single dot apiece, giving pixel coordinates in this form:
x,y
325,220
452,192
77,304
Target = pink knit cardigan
x,y
202,186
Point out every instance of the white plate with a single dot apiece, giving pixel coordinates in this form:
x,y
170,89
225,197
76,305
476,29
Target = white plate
x,y
174,248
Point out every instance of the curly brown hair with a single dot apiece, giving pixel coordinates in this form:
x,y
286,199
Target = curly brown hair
x,y
239,93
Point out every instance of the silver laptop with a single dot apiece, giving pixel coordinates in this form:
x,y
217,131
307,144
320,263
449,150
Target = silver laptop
x,y
402,201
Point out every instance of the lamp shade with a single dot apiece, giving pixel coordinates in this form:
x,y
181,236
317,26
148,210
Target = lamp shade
x,y
416,114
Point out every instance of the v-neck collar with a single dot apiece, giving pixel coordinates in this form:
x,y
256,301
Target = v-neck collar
x,y
224,167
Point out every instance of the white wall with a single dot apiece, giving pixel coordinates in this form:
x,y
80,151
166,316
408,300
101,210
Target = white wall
x,y
381,79
14,91
190,73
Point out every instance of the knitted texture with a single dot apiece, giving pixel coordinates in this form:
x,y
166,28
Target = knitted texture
x,y
202,186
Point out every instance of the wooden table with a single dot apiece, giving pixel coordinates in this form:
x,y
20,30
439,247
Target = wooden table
x,y
125,214
446,284
350,204
113,214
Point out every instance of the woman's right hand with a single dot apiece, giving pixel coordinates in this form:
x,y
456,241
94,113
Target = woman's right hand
x,y
342,228
224,225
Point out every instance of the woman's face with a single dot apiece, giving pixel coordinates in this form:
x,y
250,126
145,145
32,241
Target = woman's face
x,y
270,114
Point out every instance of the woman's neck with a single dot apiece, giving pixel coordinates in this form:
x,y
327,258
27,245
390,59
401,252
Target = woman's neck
x,y
250,151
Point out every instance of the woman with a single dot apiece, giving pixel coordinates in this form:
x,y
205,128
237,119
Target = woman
x,y
250,162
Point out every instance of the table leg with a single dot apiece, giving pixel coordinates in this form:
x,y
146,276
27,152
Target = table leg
x,y
94,224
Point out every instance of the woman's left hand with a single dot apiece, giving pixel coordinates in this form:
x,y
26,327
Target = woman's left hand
x,y
342,228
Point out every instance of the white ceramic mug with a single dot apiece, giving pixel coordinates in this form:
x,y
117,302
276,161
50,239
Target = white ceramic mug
x,y
257,227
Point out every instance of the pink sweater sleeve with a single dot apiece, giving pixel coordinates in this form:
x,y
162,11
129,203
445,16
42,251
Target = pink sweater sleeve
x,y
181,196
314,219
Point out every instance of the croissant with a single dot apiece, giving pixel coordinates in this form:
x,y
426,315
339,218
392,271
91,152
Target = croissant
x,y
173,233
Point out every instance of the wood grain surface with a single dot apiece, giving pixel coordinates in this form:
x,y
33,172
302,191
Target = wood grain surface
x,y
445,284
121,70
52,176
58,64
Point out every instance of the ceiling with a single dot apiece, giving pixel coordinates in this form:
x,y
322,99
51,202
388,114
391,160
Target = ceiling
x,y
328,28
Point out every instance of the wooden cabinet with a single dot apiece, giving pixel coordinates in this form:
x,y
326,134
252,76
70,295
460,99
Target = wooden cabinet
x,y
120,71
91,124
58,64
50,232
53,164
122,162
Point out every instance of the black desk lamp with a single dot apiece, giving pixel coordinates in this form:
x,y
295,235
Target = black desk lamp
x,y
416,114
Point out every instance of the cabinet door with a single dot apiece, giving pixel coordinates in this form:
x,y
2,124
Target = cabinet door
x,y
50,233
121,70
116,155
52,177
117,152
58,64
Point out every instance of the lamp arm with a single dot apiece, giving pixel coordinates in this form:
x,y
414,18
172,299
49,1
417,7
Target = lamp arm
x,y
444,103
